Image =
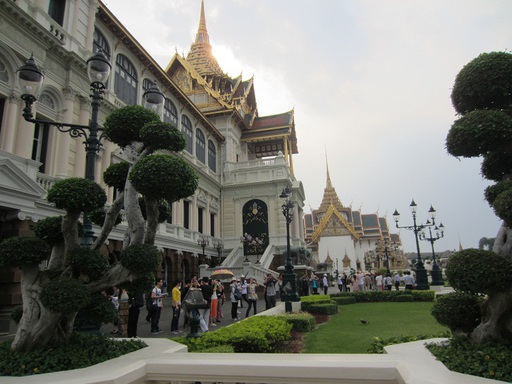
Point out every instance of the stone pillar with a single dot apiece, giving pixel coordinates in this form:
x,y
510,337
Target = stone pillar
x,y
61,151
25,137
8,135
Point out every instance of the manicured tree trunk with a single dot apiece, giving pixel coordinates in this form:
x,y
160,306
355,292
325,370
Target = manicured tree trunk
x,y
497,311
152,220
38,326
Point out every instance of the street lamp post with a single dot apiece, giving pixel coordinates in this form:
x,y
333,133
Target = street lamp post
x,y
203,242
421,272
219,246
437,275
289,293
30,80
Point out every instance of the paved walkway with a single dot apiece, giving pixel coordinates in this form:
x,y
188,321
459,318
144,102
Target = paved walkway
x,y
144,327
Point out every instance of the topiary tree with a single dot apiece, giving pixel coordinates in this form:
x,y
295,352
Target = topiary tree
x,y
459,311
71,282
482,97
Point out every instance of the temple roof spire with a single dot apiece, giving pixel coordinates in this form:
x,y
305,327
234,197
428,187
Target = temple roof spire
x,y
330,196
200,55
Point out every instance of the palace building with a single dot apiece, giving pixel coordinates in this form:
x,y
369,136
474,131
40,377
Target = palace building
x,y
244,160
345,240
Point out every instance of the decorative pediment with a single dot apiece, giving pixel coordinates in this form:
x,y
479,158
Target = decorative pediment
x,y
334,224
18,191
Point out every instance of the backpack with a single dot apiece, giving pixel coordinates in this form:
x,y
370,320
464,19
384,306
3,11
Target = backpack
x,y
149,302
138,301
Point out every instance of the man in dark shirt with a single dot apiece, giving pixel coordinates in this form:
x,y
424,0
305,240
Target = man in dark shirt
x,y
204,313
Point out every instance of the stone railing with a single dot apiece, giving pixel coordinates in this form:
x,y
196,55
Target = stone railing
x,y
165,361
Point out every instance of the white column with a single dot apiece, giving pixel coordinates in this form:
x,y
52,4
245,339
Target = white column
x,y
8,134
206,220
25,136
91,19
193,214
61,152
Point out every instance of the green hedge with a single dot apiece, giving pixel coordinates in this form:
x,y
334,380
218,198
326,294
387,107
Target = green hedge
x,y
324,308
386,296
307,301
301,322
344,300
257,334
404,298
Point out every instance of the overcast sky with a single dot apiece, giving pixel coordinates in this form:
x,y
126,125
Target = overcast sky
x,y
370,82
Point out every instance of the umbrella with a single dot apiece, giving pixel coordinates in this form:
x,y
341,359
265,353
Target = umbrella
x,y
222,274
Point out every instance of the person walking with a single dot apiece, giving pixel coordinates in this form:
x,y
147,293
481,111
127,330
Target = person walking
x,y
243,286
136,302
304,285
204,313
220,300
233,298
176,306
325,283
252,296
408,281
157,302
396,279
340,283
270,285
314,284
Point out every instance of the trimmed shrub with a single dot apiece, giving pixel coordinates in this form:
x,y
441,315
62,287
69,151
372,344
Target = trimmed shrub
x,y
124,124
161,135
484,83
141,259
258,334
20,250
64,295
324,308
164,176
164,209
307,301
76,194
478,271
100,310
301,322
458,311
423,295
89,262
345,300
116,175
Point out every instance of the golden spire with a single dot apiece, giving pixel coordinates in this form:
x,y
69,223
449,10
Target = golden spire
x,y
200,55
330,196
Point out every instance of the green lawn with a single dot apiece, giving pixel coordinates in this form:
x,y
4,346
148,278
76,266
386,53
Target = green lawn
x,y
344,333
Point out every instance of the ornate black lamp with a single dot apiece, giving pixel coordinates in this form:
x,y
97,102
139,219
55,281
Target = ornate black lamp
x,y
289,292
437,275
421,272
30,81
203,241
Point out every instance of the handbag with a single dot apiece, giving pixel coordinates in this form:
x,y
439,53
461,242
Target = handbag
x,y
238,295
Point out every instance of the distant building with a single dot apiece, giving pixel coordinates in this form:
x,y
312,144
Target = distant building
x,y
349,239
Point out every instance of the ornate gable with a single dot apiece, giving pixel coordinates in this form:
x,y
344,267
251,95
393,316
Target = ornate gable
x,y
334,224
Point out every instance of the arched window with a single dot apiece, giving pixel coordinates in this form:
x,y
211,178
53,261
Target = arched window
x,y
126,80
186,129
212,156
100,42
170,112
200,146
